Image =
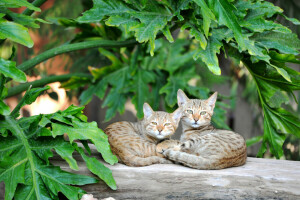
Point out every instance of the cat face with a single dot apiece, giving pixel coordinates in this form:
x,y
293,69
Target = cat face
x,y
158,124
196,112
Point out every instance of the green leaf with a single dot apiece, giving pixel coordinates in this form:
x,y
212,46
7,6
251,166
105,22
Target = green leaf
x,y
283,73
62,147
141,89
209,55
284,42
15,32
150,25
103,8
8,68
254,140
207,15
112,104
224,12
175,82
19,166
4,109
12,170
197,33
24,19
99,169
19,3
261,25
29,97
258,9
85,131
284,57
274,139
175,56
293,20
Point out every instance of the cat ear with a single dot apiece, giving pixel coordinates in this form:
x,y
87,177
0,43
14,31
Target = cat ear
x,y
176,115
181,98
147,110
211,101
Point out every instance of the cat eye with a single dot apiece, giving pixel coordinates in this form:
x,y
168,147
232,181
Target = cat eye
x,y
202,113
154,123
189,111
167,124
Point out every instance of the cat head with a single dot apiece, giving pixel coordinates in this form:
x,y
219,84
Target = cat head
x,y
158,124
196,112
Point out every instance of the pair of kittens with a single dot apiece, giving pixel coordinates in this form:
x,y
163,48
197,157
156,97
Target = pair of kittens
x,y
201,146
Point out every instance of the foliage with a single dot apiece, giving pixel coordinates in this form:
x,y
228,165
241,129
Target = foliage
x,y
245,30
133,62
27,143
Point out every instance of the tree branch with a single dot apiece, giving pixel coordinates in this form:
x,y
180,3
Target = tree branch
x,y
44,81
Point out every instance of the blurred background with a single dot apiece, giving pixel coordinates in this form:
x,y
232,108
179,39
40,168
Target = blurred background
x,y
235,86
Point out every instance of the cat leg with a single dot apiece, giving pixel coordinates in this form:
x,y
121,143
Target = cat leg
x,y
191,160
167,144
136,161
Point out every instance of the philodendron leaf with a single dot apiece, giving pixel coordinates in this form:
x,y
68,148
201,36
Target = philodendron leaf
x,y
224,12
87,131
209,55
15,32
103,8
43,146
8,68
274,139
287,43
99,169
20,166
207,15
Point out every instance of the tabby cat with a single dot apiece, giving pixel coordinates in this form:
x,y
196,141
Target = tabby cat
x,y
135,143
203,146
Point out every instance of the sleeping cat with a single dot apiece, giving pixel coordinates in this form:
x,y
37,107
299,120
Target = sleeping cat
x,y
135,143
203,146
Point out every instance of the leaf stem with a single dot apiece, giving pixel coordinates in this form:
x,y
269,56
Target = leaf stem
x,y
73,47
44,81
15,112
36,3
2,82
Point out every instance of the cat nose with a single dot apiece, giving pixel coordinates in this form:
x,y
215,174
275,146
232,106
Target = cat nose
x,y
160,128
196,117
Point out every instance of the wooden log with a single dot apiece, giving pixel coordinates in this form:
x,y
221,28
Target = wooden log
x,y
257,179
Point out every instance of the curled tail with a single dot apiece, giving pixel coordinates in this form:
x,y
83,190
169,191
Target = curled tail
x,y
200,162
136,161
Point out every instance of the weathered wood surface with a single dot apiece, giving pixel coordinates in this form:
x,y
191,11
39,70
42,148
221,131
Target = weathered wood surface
x,y
258,179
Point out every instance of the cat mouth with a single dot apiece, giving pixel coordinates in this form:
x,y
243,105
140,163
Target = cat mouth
x,y
195,125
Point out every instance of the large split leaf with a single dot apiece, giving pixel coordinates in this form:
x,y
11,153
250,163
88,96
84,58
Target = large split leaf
x,y
20,163
85,131
28,144
284,42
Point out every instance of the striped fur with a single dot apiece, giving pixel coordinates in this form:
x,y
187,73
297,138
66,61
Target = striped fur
x,y
135,143
203,146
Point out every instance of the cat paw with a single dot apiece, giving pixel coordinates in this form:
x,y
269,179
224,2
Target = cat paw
x,y
167,144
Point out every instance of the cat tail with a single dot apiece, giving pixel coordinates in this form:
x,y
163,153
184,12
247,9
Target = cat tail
x,y
139,161
190,160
